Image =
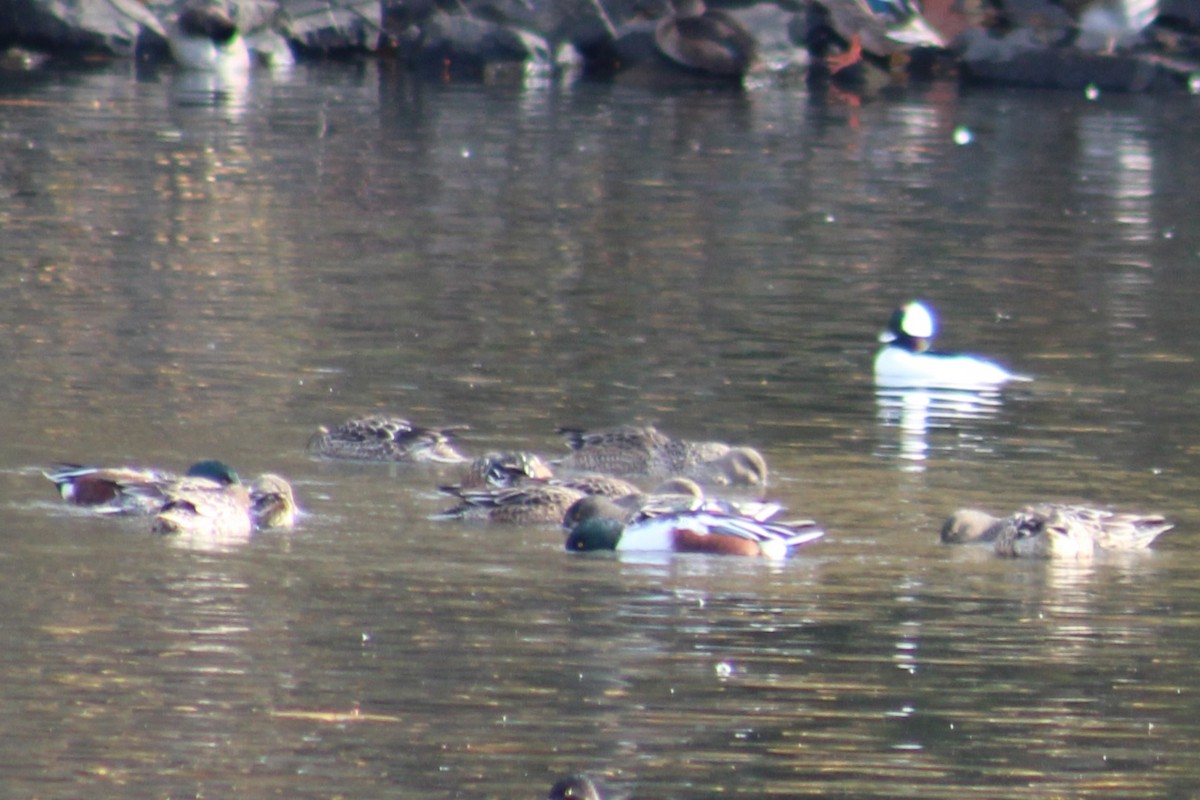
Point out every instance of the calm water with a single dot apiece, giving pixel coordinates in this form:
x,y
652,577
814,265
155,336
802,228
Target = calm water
x,y
185,278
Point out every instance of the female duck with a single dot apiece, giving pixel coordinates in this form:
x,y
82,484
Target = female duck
x,y
1052,530
908,362
378,437
210,502
637,451
705,41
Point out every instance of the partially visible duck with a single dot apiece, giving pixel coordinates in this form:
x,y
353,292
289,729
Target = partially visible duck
x,y
107,489
673,496
272,503
575,787
1051,530
906,360
1107,25
643,451
205,37
209,502
705,40
378,437
507,468
526,503
694,532
879,27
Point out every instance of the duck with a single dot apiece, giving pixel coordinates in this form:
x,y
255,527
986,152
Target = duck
x,y
705,41
205,37
906,360
141,491
209,502
272,502
1054,530
106,489
507,468
575,787
527,503
880,27
380,437
673,496
643,451
1108,25
697,531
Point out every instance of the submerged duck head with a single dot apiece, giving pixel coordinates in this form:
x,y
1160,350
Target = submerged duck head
x,y
911,327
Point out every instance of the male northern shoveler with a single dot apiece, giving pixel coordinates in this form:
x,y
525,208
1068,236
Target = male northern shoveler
x,y
1051,530
631,451
906,360
205,37
880,27
575,787
674,496
209,502
377,437
704,40
694,532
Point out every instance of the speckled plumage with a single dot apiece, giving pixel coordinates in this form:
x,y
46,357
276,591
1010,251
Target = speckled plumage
x,y
531,502
643,451
1051,530
379,437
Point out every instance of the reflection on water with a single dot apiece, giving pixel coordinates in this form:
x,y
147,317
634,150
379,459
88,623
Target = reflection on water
x,y
911,414
225,90
212,271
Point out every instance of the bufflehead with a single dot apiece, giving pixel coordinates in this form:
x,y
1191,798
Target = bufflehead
x,y
907,360
206,37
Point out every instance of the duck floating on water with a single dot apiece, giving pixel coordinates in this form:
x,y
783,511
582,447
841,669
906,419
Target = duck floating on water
x,y
205,37
697,531
704,40
380,437
141,491
1052,530
210,502
643,451
906,360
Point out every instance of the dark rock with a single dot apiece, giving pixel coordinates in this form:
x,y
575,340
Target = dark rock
x,y
1068,68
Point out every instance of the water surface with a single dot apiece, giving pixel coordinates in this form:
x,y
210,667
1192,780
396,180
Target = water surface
x,y
192,275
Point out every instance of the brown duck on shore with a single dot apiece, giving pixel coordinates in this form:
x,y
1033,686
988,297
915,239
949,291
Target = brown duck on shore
x,y
706,41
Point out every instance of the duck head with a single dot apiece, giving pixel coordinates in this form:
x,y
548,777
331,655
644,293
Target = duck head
x,y
912,327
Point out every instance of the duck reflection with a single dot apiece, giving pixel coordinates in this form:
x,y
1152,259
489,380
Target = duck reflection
x,y
226,90
909,414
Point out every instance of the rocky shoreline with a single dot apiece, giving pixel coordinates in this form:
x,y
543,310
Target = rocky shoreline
x,y
1035,43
